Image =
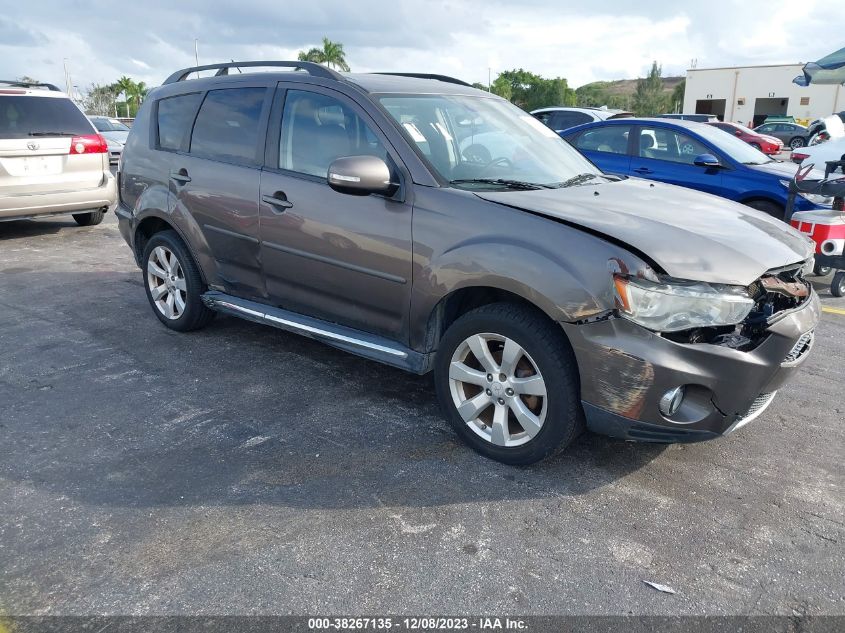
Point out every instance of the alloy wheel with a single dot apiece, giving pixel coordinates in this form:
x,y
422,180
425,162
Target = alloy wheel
x,y
498,389
166,282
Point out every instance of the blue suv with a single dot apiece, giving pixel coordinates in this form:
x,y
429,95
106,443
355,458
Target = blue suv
x,y
693,155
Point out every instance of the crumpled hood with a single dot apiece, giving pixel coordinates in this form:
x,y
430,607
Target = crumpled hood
x,y
690,235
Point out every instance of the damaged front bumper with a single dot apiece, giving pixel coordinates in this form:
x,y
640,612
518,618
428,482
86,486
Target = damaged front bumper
x,y
626,369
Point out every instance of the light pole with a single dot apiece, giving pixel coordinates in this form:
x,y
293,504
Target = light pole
x,y
67,76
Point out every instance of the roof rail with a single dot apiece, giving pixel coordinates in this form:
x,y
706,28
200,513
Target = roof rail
x,y
446,78
29,84
223,69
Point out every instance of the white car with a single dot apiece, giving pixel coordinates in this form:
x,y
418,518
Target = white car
x,y
52,160
114,132
560,118
834,149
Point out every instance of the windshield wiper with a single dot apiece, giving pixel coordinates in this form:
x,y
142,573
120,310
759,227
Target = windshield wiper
x,y
579,179
52,134
510,184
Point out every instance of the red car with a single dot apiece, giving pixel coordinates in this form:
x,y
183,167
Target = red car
x,y
767,144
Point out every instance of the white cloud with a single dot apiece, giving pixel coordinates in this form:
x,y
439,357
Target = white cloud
x,y
613,39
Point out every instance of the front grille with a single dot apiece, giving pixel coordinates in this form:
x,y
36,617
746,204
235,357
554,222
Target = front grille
x,y
800,348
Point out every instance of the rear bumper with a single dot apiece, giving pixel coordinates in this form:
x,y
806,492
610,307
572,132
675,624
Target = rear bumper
x,y
28,206
626,369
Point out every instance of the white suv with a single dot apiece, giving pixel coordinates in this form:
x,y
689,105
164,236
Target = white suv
x,y
52,161
560,118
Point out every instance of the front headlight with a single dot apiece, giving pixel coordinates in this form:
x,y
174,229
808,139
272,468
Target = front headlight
x,y
811,197
680,305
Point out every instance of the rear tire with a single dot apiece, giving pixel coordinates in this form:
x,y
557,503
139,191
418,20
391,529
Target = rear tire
x,y
89,219
837,287
771,208
796,142
821,271
757,147
520,399
173,283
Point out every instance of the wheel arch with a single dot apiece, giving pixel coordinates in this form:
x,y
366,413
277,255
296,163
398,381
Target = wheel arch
x,y
153,223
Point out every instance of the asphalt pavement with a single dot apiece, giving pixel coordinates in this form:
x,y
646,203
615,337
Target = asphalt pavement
x,y
244,470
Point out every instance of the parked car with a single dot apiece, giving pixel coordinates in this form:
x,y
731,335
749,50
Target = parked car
x,y
52,161
542,293
769,145
114,131
791,135
700,118
560,118
833,149
694,155
779,118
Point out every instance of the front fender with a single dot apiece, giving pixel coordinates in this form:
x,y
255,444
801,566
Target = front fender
x,y
570,282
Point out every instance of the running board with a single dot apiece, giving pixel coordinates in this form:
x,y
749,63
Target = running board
x,y
361,343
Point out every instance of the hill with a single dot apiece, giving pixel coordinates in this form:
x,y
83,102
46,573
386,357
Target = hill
x,y
618,93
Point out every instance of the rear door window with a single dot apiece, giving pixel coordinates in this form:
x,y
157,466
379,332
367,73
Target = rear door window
x,y
227,126
27,117
175,115
612,139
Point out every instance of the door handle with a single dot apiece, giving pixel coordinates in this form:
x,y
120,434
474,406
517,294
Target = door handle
x,y
180,176
643,170
279,201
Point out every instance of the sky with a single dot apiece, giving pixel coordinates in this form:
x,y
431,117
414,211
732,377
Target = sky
x,y
581,41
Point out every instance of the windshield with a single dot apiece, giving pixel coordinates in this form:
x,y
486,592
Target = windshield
x,y
482,143
739,150
109,125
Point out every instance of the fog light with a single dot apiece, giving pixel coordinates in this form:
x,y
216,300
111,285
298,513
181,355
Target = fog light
x,y
671,401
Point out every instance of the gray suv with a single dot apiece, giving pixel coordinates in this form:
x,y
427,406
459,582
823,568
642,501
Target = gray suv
x,y
418,222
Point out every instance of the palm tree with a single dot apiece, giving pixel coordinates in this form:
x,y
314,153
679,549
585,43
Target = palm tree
x,y
332,55
126,86
139,93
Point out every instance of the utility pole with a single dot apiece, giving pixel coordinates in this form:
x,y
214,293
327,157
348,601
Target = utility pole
x,y
67,76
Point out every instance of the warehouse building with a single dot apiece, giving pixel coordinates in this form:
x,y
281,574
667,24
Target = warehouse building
x,y
749,94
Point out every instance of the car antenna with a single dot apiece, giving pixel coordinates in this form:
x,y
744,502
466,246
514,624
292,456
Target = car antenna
x,y
240,72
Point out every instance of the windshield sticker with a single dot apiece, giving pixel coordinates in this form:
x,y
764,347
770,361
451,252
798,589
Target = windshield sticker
x,y
539,126
414,132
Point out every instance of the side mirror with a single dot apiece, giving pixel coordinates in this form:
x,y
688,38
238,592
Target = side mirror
x,y
361,176
707,160
738,133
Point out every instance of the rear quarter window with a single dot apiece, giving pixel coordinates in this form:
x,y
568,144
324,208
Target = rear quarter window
x,y
175,116
25,116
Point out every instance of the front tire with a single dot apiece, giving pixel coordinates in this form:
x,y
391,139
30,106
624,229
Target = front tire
x,y
821,271
89,219
507,381
773,209
173,283
837,287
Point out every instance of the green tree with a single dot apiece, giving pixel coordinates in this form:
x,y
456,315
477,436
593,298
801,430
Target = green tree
x,y
332,55
125,86
100,100
649,98
531,91
678,96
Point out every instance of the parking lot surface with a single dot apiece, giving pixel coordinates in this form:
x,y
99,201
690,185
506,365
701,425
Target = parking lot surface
x,y
241,469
